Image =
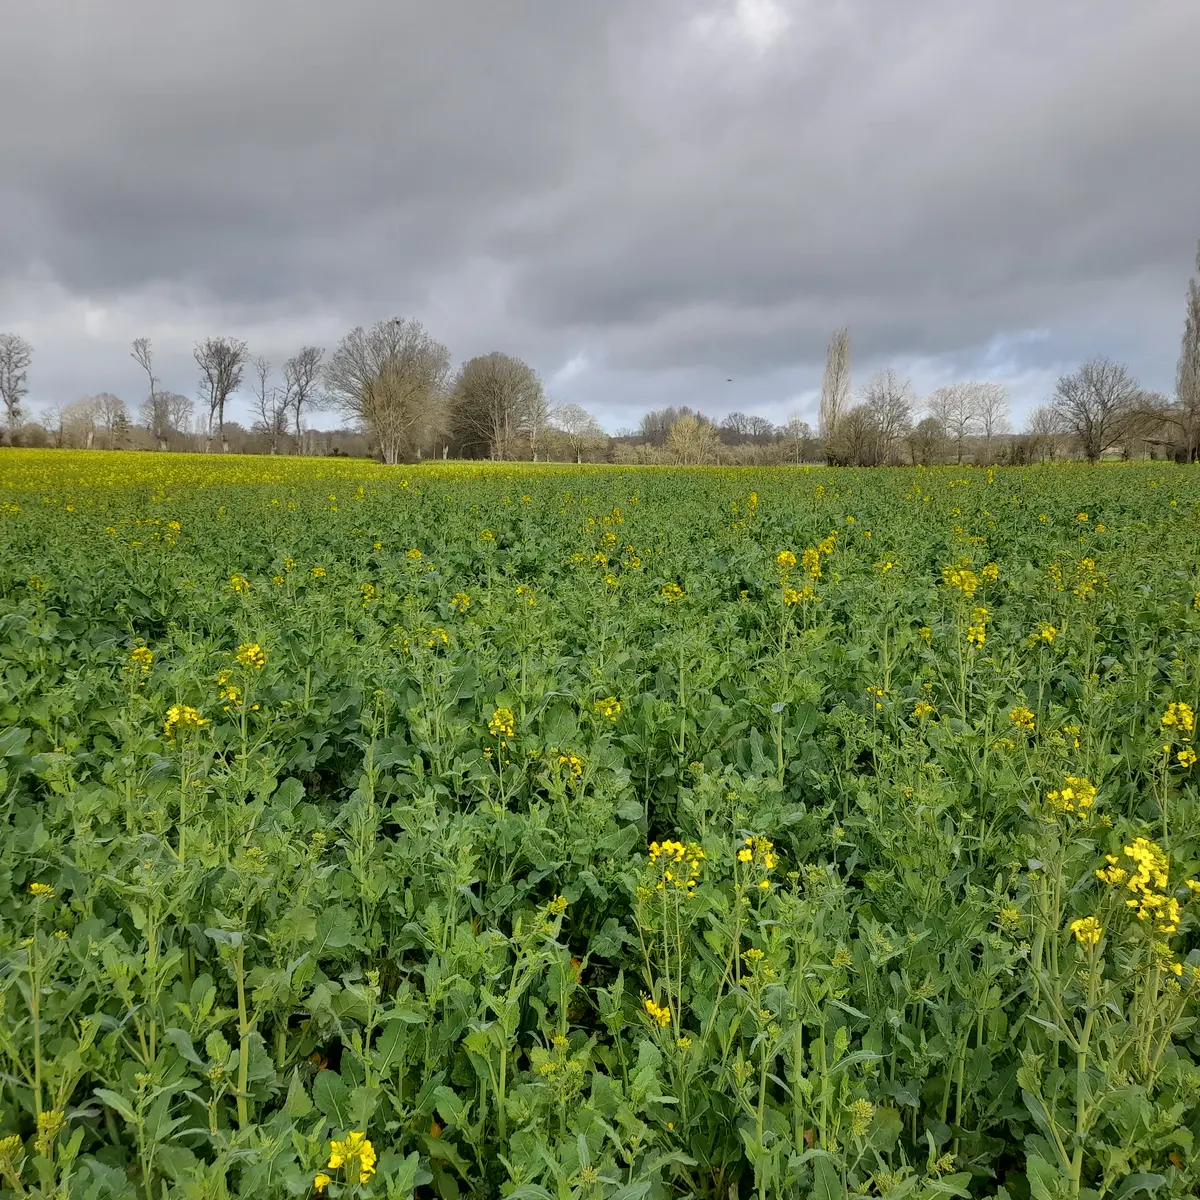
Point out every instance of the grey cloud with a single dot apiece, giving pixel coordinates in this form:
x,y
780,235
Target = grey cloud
x,y
676,191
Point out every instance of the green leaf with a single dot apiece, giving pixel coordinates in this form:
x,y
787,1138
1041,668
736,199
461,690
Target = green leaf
x,y
332,1098
827,1183
297,1104
117,1101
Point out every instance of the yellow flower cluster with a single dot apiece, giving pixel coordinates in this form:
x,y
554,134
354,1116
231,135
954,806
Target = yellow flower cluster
x,y
1022,718
502,723
230,693
961,578
810,560
678,864
49,1125
785,560
141,658
609,708
460,602
659,1013
1179,716
354,1154
1147,880
760,851
1087,931
239,583
977,629
923,709
182,716
571,762
671,592
791,596
41,891
251,656
414,555
1045,633
1187,757
1076,795
990,573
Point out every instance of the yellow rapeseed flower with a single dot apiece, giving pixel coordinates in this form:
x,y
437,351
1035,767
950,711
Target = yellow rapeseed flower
x,y
1181,716
1087,931
502,723
41,891
961,578
1022,718
251,656
355,1155
1076,795
182,716
657,1012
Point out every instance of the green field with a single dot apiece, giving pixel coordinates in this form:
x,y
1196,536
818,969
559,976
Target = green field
x,y
475,831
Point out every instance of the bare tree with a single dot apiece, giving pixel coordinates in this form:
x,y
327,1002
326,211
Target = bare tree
x,y
797,438
735,427
302,387
154,414
78,423
578,426
167,415
1186,408
1096,405
889,400
391,379
111,417
180,412
990,402
270,407
835,386
54,421
537,418
656,424
221,362
497,399
760,429
692,441
1043,428
953,406
15,356
855,439
927,442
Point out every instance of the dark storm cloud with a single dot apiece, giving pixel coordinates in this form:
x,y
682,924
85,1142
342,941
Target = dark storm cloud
x,y
641,196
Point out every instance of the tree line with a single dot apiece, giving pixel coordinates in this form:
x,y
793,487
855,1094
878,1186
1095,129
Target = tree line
x,y
393,385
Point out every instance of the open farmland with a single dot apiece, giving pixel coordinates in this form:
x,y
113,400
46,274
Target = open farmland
x,y
590,832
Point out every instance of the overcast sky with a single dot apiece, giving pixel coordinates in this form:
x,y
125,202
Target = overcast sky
x,y
645,199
